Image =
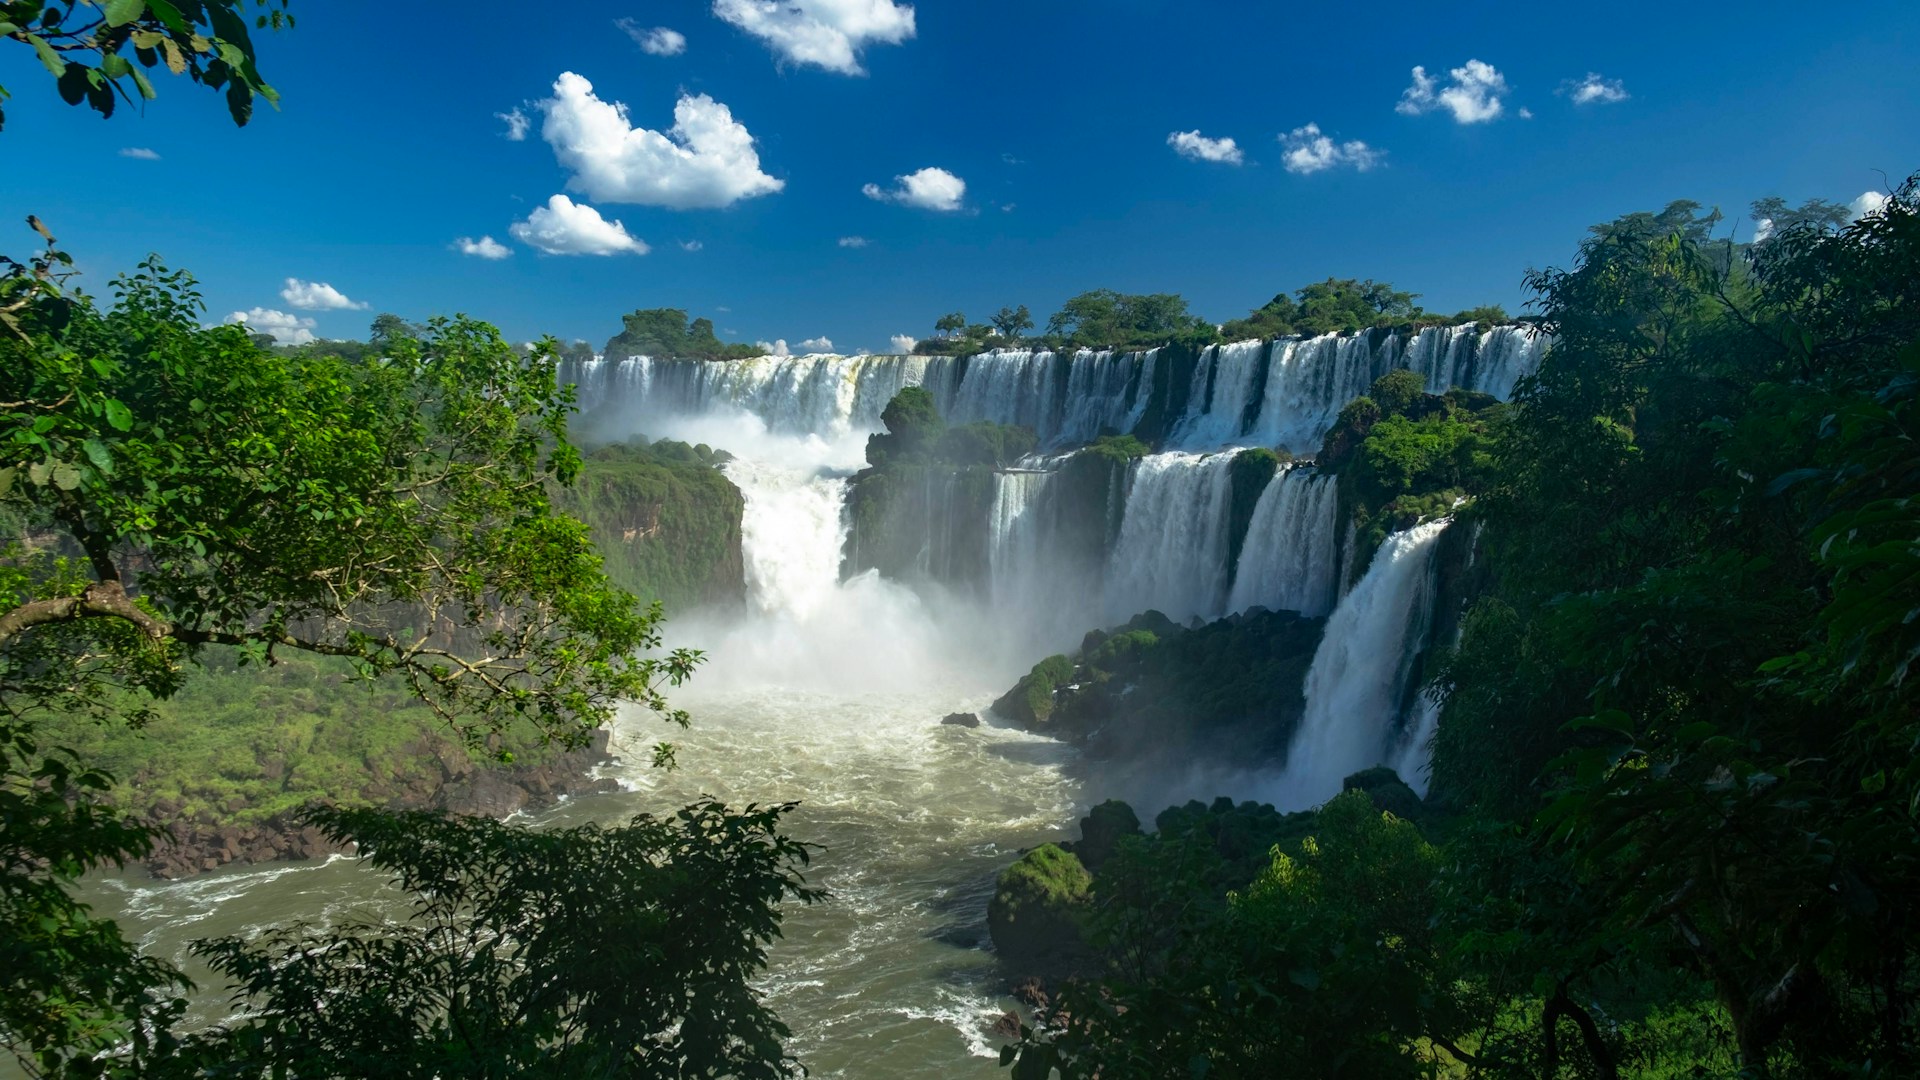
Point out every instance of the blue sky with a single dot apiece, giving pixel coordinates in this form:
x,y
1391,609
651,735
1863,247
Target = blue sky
x,y
1055,114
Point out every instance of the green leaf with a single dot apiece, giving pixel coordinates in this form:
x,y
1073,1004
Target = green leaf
x,y
169,15
40,472
6,480
122,12
113,65
65,476
97,453
48,57
119,415
140,81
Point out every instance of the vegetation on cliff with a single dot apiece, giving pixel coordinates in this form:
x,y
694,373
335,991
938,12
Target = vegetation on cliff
x,y
666,333
665,519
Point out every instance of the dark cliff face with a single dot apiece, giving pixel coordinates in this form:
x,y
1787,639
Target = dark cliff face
x,y
443,780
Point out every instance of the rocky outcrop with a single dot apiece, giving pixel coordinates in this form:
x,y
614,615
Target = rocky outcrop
x,y
961,719
460,787
1231,690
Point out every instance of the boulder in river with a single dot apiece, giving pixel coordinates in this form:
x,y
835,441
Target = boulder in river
x,y
962,719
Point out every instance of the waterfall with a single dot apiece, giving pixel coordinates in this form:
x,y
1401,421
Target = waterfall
x,y
1224,382
1358,680
1016,544
1412,760
823,395
1507,354
1308,382
1106,391
1172,552
1008,386
1288,561
791,530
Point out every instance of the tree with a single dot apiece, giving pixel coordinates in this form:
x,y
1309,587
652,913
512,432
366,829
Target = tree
x,y
1103,317
582,952
1011,322
206,40
666,332
189,491
951,324
389,329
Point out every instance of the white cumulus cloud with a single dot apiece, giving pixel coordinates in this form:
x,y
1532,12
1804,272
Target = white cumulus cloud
x,y
654,41
287,329
517,124
818,344
853,241
1472,93
691,245
1595,89
706,160
1192,144
140,153
825,33
564,227
902,344
929,189
1869,202
317,296
484,248
1309,150
775,348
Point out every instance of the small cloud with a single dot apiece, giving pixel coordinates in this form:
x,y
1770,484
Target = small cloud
x,y
517,124
854,241
775,348
691,245
1192,144
1472,93
818,344
1594,90
140,153
928,189
1310,151
1869,202
824,33
654,41
286,329
484,248
1526,113
317,296
903,344
1011,160
564,227
705,161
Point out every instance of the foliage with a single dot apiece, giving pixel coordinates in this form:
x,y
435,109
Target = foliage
x,y
180,490
913,427
1031,699
948,325
1702,553
1103,318
665,332
206,40
1010,323
1118,449
1327,307
579,952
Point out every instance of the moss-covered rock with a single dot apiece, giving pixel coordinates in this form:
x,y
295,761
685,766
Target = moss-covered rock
x,y
1038,912
1030,702
1101,832
1231,690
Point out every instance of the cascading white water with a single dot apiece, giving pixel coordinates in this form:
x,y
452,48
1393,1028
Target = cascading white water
x,y
1016,544
1415,754
792,530
1223,386
1106,390
1359,674
1172,553
1009,386
822,395
1307,384
1288,560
